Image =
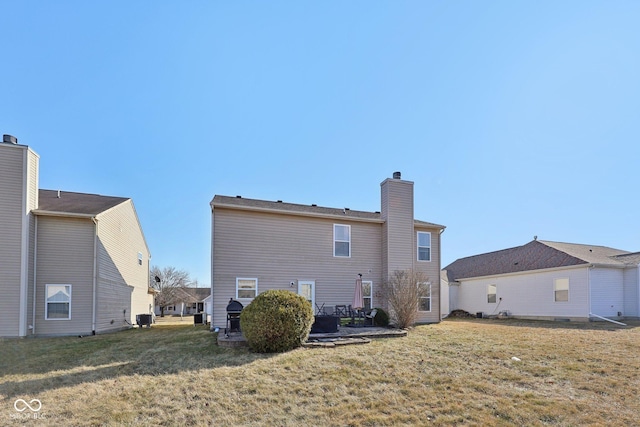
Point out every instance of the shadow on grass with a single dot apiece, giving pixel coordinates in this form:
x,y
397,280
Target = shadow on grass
x,y
51,363
547,324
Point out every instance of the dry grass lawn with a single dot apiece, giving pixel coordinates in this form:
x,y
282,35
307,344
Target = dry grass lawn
x,y
458,372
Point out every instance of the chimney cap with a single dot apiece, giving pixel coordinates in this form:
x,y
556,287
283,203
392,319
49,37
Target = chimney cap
x,y
9,139
397,175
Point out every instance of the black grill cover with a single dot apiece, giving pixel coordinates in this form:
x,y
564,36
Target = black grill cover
x,y
234,306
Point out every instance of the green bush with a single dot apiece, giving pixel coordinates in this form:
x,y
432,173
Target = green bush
x,y
382,318
276,321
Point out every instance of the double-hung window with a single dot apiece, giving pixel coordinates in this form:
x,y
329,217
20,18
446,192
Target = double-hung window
x,y
246,288
367,292
424,290
58,302
561,290
424,246
341,240
491,293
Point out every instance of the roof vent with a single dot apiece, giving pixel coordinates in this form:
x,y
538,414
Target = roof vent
x,y
397,175
279,201
238,197
9,139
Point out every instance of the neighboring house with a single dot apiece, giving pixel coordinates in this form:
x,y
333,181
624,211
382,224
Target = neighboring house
x,y
547,280
72,263
318,252
186,301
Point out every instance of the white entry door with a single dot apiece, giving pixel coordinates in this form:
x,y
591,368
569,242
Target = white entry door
x,y
307,288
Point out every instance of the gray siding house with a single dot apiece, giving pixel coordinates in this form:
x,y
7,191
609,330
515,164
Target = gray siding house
x,y
548,281
73,263
318,251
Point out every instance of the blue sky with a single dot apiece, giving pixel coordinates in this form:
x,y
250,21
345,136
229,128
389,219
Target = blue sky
x,y
513,119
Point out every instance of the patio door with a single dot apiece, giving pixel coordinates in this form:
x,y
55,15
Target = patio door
x,y
307,288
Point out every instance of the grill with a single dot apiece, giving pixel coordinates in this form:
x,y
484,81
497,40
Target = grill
x,y
233,316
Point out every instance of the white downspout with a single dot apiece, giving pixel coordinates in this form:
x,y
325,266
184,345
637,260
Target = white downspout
x,y
588,290
638,290
211,325
35,274
95,275
440,277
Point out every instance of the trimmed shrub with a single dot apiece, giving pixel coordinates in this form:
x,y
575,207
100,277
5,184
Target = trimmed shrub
x,y
276,321
382,318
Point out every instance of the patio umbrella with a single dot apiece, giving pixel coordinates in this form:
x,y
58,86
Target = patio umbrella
x,y
358,302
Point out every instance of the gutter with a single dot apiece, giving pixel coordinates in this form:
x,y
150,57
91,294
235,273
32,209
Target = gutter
x,y
295,213
65,214
95,275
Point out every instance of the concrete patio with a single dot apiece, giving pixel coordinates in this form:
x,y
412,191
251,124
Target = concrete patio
x,y
345,335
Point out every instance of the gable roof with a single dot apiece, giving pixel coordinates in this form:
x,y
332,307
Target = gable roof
x,y
305,210
535,255
191,295
66,202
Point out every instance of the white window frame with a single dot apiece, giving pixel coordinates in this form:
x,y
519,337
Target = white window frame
x,y
489,294
421,297
557,282
370,296
418,246
335,240
46,302
254,279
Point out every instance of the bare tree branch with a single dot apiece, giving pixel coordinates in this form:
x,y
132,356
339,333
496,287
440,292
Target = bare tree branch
x,y
403,292
168,282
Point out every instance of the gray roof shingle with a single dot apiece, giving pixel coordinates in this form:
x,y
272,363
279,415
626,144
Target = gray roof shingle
x,y
294,208
535,255
76,203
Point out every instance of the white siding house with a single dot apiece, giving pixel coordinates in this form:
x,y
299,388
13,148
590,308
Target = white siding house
x,y
546,280
73,263
318,251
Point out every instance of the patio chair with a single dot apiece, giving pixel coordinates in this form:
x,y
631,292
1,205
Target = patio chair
x,y
369,318
341,311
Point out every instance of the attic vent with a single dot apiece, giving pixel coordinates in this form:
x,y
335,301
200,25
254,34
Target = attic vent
x,y
9,139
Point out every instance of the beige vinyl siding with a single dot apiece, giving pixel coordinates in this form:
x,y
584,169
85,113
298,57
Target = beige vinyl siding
x,y
431,270
12,211
279,248
398,230
113,300
65,257
122,282
32,203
